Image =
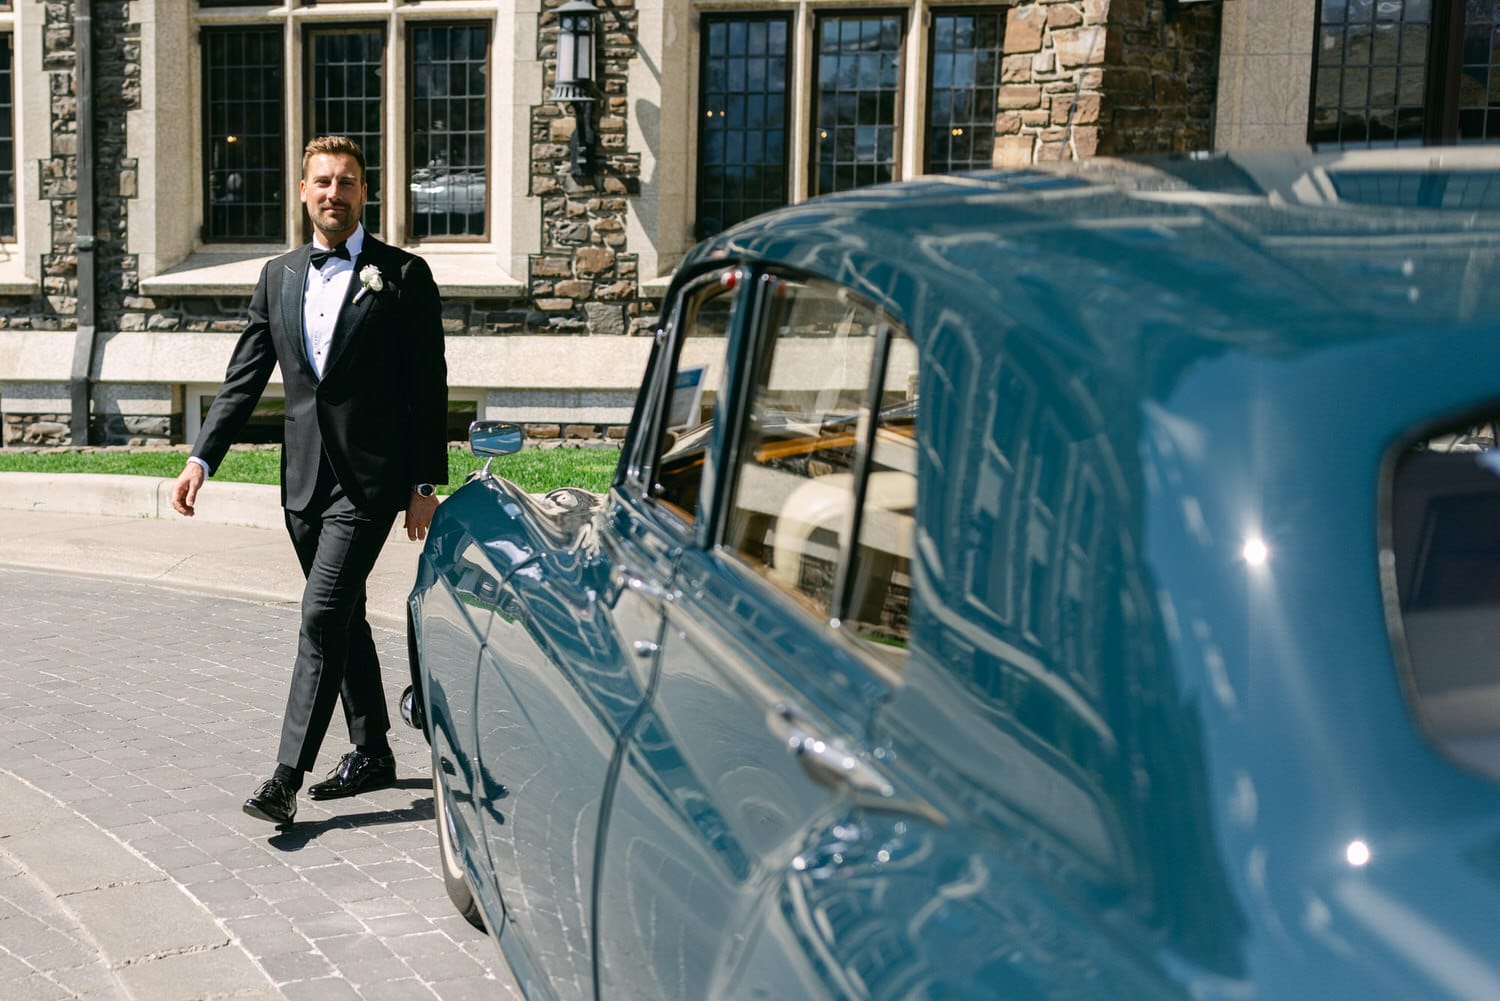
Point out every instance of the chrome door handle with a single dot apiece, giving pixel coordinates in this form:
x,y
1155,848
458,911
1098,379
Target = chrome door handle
x,y
826,762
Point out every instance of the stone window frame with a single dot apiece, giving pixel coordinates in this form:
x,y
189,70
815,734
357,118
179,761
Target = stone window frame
x,y
165,227
32,134
915,70
298,25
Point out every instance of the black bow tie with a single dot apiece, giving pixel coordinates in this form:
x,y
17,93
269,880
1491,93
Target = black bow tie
x,y
319,257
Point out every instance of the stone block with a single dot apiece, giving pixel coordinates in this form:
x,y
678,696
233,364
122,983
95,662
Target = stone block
x,y
1169,91
1024,25
1075,109
1016,69
545,432
574,289
605,318
554,305
1051,152
1085,140
1014,96
594,261
1079,47
576,431
1013,151
1063,16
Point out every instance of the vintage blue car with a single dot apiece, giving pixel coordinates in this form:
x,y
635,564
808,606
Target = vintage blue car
x,y
1067,584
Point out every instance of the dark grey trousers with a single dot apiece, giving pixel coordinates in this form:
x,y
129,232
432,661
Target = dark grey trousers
x,y
337,545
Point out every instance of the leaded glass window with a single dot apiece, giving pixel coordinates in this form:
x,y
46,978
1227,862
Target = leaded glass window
x,y
1399,72
1371,72
742,161
1479,73
448,98
963,87
857,95
7,140
344,98
242,106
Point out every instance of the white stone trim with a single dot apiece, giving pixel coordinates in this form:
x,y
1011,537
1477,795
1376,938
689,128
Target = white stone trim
x,y
165,137
461,271
1265,74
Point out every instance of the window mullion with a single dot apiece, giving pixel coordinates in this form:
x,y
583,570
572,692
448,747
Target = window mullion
x,y
801,123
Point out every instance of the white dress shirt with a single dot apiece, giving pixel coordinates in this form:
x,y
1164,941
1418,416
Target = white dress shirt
x,y
324,297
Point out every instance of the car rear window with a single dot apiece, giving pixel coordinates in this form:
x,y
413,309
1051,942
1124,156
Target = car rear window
x,y
1445,540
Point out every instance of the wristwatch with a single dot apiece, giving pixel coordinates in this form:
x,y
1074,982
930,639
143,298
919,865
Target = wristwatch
x,y
425,489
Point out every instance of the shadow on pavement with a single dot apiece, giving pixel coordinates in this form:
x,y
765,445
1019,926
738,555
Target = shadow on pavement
x,y
297,836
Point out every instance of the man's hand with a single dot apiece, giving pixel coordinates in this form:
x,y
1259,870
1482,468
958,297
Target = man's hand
x,y
185,490
419,512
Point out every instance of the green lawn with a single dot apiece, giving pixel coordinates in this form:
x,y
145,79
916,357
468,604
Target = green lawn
x,y
535,470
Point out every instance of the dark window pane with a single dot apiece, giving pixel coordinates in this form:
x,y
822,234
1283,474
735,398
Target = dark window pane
x,y
7,140
859,76
964,82
742,150
1370,72
344,79
447,108
242,87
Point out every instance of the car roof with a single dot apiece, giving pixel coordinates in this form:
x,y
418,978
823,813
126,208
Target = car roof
x,y
1123,263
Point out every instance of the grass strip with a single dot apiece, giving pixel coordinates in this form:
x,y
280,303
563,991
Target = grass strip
x,y
535,470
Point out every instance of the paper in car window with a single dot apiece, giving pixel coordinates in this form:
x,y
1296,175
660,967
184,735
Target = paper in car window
x,y
687,397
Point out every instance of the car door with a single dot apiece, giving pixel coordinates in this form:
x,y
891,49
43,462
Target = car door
x,y
568,655
749,764
453,615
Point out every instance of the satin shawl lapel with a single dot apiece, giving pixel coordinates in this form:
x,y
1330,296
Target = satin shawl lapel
x,y
352,313
293,284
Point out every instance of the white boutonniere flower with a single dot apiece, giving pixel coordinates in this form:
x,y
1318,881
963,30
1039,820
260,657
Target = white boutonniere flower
x,y
370,280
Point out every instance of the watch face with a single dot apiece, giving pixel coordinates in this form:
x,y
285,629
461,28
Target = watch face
x,y
426,489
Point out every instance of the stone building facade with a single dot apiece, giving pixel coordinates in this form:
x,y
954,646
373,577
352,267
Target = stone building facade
x,y
551,298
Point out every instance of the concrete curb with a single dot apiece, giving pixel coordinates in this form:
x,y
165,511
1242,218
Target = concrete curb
x,y
124,528
250,505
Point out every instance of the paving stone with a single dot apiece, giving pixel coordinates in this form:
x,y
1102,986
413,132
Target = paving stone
x,y
146,723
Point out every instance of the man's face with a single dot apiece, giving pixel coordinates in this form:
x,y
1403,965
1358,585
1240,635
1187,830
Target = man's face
x,y
334,193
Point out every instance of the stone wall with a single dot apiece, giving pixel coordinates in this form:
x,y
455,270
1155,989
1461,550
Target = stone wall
x,y
585,280
1161,78
1085,77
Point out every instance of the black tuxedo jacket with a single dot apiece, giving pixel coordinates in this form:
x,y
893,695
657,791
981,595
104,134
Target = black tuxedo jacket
x,y
380,410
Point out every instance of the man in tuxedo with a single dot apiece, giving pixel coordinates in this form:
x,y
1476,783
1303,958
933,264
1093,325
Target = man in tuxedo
x,y
356,327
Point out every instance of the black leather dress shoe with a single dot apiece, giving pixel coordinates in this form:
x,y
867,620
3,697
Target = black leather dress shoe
x,y
274,801
355,773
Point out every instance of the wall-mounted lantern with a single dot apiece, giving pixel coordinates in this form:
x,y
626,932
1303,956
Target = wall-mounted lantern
x,y
574,80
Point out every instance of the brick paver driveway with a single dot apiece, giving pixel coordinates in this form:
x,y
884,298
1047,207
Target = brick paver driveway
x,y
151,714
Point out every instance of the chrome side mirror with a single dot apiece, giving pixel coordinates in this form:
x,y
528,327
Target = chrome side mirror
x,y
488,439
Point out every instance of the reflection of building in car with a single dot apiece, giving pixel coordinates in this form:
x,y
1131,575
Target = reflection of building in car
x,y
1036,585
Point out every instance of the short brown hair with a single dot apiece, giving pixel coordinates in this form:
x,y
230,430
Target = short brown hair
x,y
336,146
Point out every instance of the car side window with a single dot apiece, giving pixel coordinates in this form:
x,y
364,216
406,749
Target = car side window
x,y
702,328
880,585
796,489
1445,547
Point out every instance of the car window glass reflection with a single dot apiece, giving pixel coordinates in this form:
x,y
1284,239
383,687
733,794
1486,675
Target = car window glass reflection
x,y
795,487
1445,537
881,591
698,373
